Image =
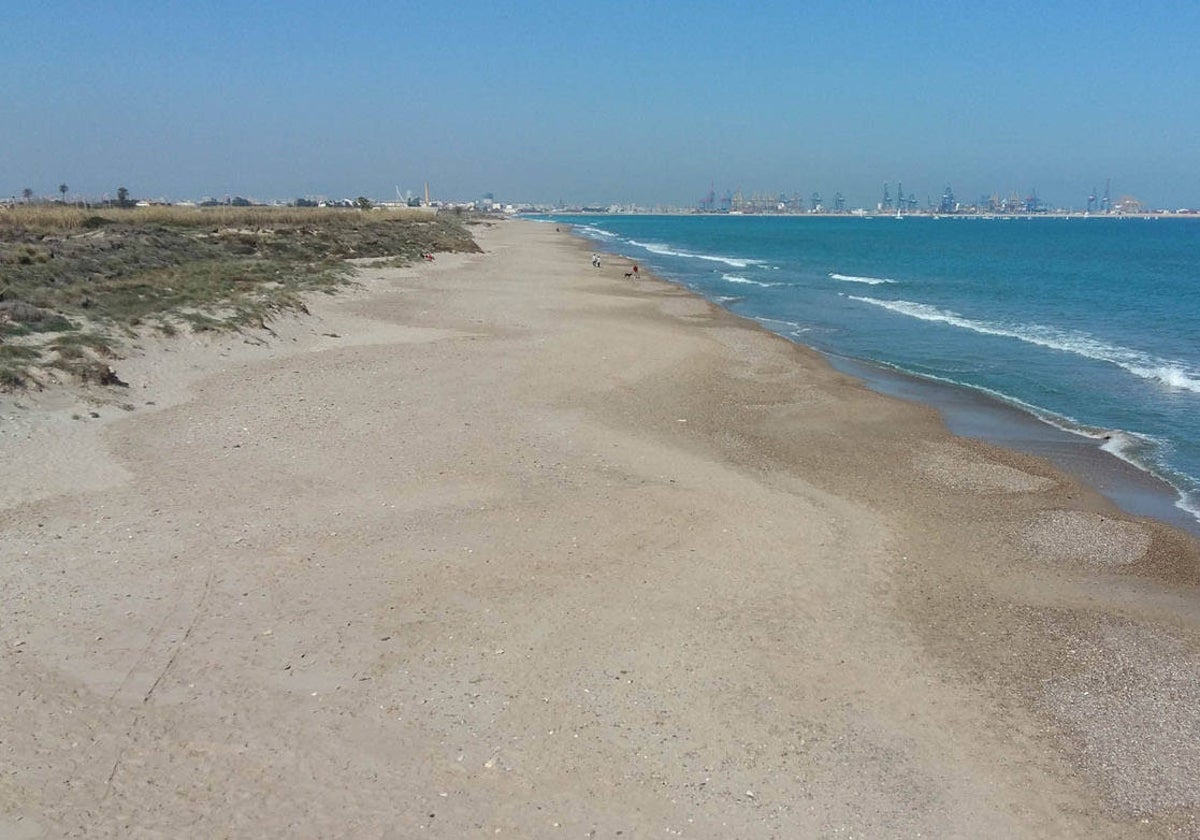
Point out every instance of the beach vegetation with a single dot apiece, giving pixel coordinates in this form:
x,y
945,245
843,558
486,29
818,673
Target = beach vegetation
x,y
78,283
77,344
15,361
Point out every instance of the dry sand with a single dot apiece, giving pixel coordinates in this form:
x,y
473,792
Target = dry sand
x,y
505,545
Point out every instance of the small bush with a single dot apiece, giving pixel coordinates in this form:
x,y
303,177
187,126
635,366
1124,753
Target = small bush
x,y
17,353
81,341
14,364
11,379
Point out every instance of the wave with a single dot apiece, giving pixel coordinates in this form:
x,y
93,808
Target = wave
x,y
664,250
1173,374
1142,451
870,281
589,230
794,329
1132,448
1059,421
737,278
1190,503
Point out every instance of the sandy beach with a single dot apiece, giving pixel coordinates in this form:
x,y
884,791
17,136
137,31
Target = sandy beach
x,y
506,545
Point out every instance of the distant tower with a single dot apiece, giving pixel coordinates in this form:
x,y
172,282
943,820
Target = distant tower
x,y
887,198
426,193
839,203
1106,205
1091,202
816,202
899,195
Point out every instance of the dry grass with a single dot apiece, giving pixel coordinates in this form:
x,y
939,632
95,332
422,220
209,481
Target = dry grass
x,y
44,218
106,274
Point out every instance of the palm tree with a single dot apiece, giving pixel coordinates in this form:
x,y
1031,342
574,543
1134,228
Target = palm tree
x,y
62,188
27,194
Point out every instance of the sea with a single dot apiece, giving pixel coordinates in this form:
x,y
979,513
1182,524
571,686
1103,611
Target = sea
x,y
1073,338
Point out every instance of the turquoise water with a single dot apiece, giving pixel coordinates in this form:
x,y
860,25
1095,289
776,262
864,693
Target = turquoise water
x,y
1092,325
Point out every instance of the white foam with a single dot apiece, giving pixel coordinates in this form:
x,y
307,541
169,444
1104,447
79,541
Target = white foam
x,y
659,248
1128,446
1137,450
1170,373
737,278
870,281
588,230
794,329
1189,503
762,319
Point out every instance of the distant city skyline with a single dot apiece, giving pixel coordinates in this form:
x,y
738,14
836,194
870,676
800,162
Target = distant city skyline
x,y
647,103
889,197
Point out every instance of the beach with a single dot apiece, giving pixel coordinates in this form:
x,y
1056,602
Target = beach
x,y
503,544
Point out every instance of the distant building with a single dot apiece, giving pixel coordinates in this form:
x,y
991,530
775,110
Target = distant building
x,y
947,204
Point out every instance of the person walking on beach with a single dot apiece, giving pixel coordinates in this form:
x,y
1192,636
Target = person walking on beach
x,y
596,260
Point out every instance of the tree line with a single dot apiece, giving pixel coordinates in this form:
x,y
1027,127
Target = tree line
x,y
122,200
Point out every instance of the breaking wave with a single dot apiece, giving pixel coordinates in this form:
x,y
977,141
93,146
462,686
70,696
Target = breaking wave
x,y
589,230
737,278
870,281
1164,371
664,250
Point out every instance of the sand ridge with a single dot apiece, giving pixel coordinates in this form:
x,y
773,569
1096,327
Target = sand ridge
x,y
507,545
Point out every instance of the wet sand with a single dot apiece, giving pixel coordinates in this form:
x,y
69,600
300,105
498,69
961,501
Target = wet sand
x,y
982,417
506,545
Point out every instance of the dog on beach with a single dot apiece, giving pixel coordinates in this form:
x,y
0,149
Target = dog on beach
x,y
628,275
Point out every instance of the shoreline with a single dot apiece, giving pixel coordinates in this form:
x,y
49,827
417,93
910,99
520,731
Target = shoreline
x,y
975,414
505,544
981,416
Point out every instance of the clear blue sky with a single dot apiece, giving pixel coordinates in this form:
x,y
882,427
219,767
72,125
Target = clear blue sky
x,y
587,101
